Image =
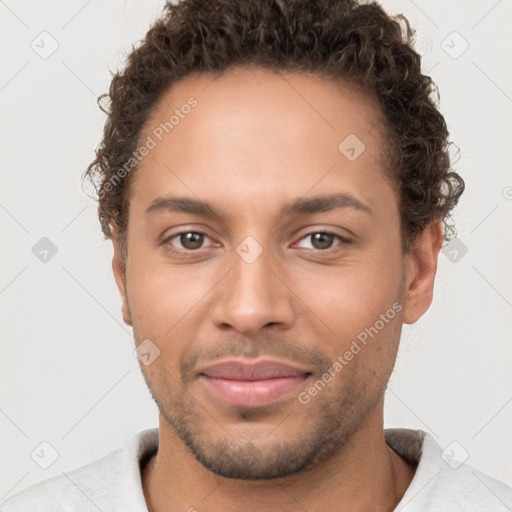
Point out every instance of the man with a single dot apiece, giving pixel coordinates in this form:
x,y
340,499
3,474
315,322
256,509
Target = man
x,y
275,178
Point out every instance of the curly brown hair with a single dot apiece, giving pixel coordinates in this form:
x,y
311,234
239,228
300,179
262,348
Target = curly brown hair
x,y
341,39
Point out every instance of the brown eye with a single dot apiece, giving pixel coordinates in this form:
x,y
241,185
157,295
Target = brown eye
x,y
322,240
191,240
186,240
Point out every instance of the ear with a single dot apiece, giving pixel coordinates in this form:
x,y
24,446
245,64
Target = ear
x,y
120,274
420,271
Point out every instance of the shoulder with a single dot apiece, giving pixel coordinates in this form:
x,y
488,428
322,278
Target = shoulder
x,y
78,489
107,484
466,489
443,481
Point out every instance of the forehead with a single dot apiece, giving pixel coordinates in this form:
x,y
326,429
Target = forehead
x,y
264,131
278,102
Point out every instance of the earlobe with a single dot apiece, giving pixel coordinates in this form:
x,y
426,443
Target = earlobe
x,y
420,269
120,274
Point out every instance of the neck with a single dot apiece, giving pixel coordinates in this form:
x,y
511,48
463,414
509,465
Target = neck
x,y
366,474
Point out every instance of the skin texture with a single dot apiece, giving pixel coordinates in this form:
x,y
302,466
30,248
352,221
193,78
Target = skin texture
x,y
257,141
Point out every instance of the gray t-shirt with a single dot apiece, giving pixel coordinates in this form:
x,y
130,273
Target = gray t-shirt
x,y
113,482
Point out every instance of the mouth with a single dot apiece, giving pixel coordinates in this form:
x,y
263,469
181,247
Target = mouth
x,y
248,384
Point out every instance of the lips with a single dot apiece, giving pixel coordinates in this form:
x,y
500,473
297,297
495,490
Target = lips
x,y
248,384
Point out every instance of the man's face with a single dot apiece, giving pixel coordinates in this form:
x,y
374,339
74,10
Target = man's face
x,y
258,284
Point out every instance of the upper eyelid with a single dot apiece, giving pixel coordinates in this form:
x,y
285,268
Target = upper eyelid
x,y
342,238
309,233
183,232
167,239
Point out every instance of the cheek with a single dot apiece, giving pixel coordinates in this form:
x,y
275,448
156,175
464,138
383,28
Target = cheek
x,y
162,296
354,294
359,302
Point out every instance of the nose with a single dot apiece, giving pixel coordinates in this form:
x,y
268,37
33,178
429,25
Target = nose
x,y
252,296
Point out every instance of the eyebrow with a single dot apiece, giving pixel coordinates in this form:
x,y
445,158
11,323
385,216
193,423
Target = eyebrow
x,y
300,206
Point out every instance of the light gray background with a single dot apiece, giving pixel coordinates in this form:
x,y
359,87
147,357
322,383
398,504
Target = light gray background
x,y
68,374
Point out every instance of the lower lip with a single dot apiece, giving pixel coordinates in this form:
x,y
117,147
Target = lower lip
x,y
254,393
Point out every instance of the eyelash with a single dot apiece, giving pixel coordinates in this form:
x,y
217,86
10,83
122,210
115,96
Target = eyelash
x,y
182,252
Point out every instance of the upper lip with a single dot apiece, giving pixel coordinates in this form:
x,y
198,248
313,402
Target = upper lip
x,y
234,369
